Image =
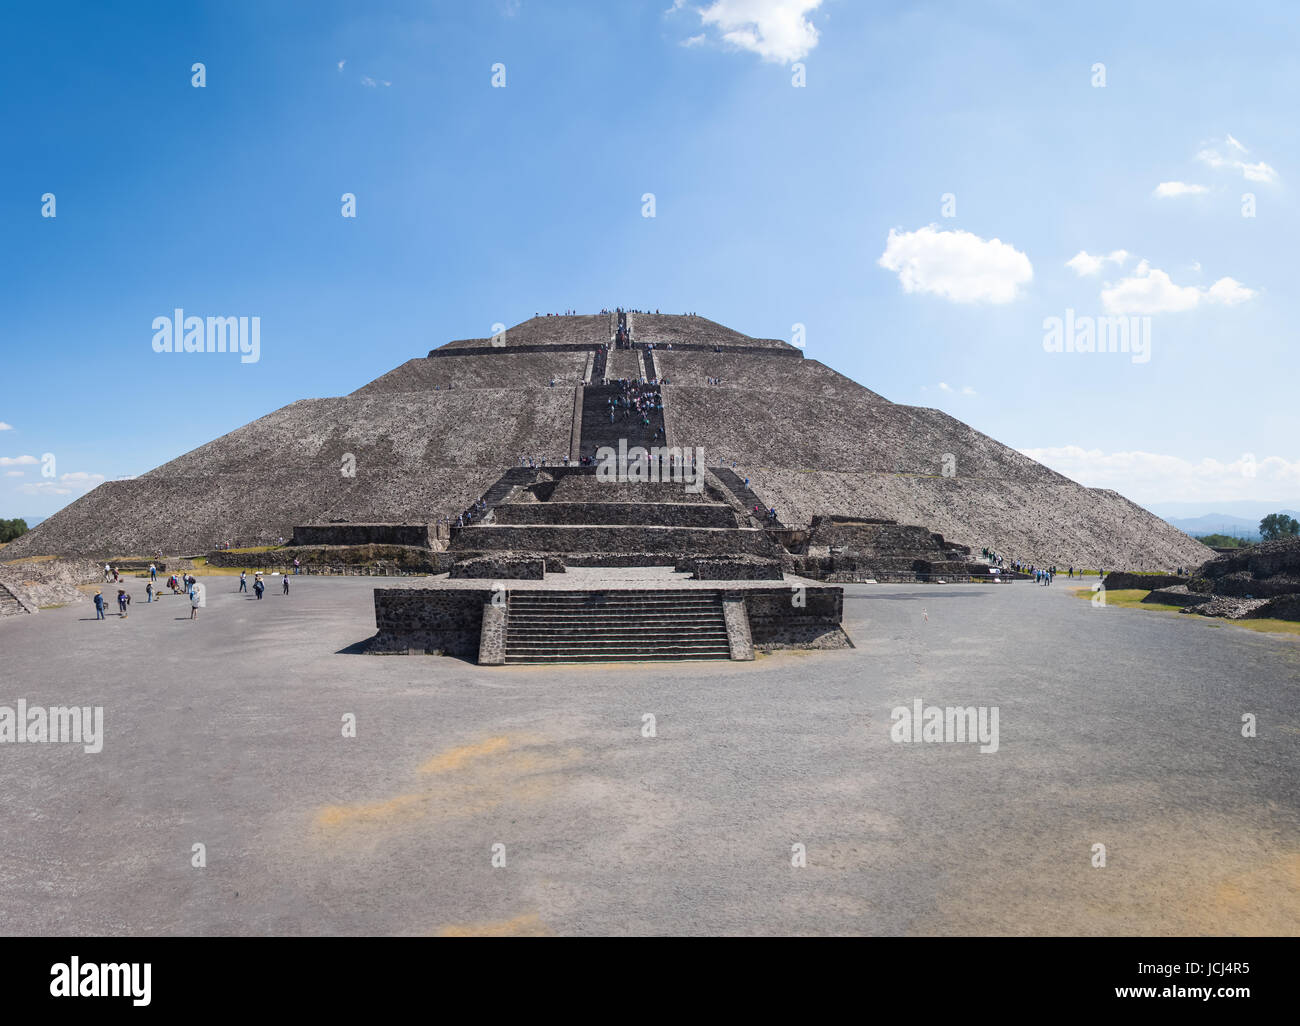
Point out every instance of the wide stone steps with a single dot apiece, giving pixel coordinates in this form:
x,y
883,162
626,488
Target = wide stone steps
x,y
598,430
599,627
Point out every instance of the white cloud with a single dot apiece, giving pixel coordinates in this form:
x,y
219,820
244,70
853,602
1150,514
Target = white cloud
x,y
967,390
1229,292
944,386
1260,172
693,40
1153,477
1152,291
956,265
368,82
14,473
17,461
67,484
1257,172
776,30
5,427
1166,190
43,488
341,63
1083,263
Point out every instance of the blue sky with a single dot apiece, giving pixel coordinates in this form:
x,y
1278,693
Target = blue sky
x,y
775,205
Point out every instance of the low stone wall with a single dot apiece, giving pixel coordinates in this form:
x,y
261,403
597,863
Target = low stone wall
x,y
500,566
616,559
665,514
353,559
737,570
778,620
428,621
363,534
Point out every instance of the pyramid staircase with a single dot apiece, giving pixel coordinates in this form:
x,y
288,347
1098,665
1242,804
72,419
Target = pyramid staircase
x,y
505,484
10,604
588,627
598,430
735,484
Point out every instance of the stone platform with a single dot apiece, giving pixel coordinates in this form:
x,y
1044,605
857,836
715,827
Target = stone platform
x,y
598,614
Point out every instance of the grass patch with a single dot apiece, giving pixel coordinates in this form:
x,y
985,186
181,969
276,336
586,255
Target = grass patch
x,y
1131,598
1265,626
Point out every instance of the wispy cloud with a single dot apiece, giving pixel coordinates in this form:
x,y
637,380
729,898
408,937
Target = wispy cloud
x,y
17,461
1252,172
1153,477
1167,190
67,484
5,427
1084,263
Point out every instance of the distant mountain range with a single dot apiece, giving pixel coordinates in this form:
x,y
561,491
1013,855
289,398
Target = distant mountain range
x,y
1225,523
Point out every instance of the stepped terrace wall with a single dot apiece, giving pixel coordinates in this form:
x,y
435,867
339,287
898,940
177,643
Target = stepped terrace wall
x,y
363,534
577,330
1064,524
494,368
666,514
806,431
414,456
756,371
586,487
680,329
581,539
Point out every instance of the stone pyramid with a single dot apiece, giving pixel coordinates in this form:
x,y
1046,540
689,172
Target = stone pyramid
x,y
431,438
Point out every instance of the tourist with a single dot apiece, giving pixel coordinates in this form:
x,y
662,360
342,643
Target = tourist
x,y
194,603
259,587
243,581
153,572
148,591
99,605
297,567
286,584
121,603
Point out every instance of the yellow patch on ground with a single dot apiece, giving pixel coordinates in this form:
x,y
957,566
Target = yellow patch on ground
x,y
336,815
529,925
465,781
1208,875
457,757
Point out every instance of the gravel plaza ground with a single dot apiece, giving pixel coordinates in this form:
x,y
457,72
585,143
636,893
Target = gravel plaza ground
x,y
1120,727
